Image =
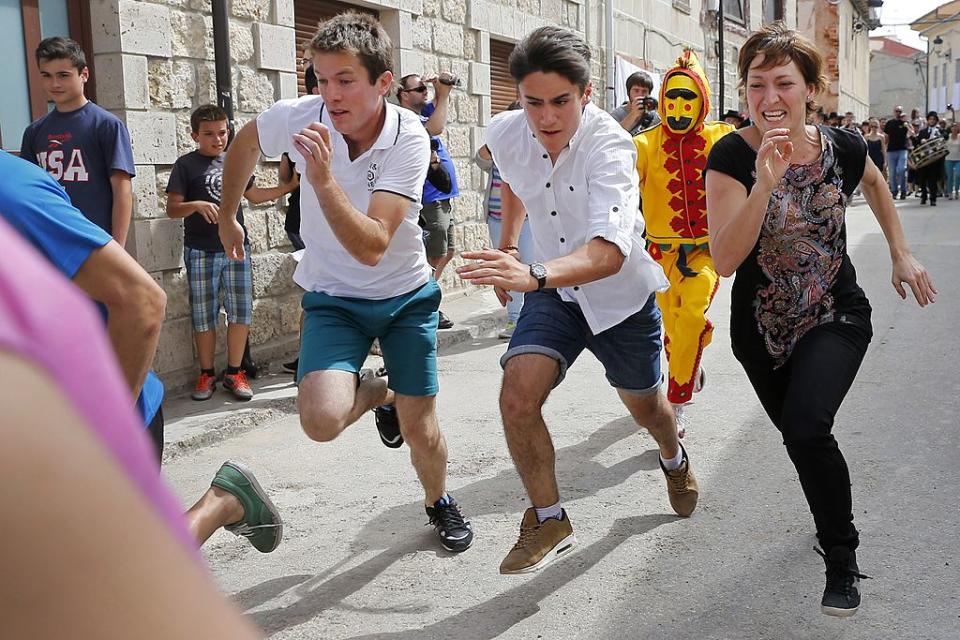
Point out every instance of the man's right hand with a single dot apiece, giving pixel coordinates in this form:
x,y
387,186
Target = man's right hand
x,y
231,237
636,107
441,90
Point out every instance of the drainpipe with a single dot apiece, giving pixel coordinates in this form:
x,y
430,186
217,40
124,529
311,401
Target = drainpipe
x,y
221,56
611,91
586,22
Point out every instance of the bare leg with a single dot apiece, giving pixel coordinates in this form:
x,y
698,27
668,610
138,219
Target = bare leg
x,y
438,264
428,449
236,342
206,344
654,413
527,380
330,401
214,509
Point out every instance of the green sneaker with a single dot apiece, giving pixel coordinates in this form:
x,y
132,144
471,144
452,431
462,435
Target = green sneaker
x,y
261,523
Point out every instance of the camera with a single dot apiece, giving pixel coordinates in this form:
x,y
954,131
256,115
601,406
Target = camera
x,y
434,144
450,82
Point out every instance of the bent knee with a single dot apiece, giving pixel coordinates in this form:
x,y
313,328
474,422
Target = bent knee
x,y
322,426
421,437
517,405
649,409
799,433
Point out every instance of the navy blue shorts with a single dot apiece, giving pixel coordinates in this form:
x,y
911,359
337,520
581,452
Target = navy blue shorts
x,y
629,352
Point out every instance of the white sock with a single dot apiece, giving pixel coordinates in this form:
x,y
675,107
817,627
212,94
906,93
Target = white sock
x,y
553,511
674,463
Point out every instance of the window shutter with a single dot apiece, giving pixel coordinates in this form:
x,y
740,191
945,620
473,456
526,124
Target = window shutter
x,y
307,14
503,90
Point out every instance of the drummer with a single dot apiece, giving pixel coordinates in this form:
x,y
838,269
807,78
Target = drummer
x,y
929,175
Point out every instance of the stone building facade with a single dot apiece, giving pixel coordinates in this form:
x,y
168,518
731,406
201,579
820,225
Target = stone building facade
x,y
940,63
153,63
896,76
840,29
741,18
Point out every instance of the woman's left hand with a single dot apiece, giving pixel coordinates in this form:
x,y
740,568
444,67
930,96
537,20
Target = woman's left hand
x,y
908,269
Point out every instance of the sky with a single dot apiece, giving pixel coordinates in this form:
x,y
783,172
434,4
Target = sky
x,y
901,13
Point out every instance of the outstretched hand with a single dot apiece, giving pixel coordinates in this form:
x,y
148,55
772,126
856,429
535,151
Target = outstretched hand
x,y
908,269
502,270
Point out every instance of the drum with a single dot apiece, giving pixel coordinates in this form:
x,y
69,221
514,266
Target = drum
x,y
929,152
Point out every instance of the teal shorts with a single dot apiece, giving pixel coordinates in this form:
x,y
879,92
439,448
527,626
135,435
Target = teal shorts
x,y
338,334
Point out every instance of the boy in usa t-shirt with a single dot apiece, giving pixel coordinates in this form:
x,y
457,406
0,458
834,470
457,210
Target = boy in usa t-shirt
x,y
84,147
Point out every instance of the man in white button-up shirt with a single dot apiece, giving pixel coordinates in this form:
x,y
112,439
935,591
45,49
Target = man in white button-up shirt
x,y
573,167
364,267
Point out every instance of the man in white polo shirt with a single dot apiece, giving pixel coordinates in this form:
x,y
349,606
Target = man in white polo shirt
x,y
364,268
573,168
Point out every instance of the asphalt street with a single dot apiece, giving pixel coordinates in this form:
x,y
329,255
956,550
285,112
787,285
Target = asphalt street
x,y
358,562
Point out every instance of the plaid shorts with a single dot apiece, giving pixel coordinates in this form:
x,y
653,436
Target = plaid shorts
x,y
210,271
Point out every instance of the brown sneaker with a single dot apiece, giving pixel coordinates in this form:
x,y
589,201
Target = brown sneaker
x,y
682,487
540,543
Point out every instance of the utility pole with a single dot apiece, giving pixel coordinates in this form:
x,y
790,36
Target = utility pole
x,y
720,57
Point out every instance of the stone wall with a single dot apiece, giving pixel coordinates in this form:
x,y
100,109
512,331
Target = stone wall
x,y
895,80
155,64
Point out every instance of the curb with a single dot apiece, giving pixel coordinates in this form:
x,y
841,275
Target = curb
x,y
187,433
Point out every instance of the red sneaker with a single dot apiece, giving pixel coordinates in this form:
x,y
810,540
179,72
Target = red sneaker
x,y
236,383
203,390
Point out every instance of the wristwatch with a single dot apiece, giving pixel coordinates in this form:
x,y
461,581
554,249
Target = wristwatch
x,y
539,272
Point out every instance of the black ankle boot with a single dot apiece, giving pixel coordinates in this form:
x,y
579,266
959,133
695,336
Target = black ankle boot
x,y
841,596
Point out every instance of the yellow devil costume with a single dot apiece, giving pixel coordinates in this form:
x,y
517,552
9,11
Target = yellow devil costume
x,y
670,160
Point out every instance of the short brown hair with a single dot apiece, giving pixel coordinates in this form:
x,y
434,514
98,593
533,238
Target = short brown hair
x,y
780,45
359,34
60,48
552,50
207,113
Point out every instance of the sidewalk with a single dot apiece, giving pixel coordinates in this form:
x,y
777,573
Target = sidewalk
x,y
191,425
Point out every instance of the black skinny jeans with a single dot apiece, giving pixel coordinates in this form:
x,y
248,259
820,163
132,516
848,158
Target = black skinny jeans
x,y
929,179
802,398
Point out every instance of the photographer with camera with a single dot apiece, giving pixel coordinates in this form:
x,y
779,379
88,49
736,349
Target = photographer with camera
x,y
435,217
637,113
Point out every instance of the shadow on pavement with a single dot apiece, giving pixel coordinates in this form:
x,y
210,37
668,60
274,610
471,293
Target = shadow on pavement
x,y
580,475
495,616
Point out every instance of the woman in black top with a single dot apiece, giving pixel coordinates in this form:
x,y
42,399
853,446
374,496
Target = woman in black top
x,y
777,193
876,145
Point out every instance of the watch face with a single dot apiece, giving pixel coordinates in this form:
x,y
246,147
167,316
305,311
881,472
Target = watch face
x,y
538,271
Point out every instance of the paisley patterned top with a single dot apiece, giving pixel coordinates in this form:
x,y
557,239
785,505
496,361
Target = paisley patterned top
x,y
801,249
798,275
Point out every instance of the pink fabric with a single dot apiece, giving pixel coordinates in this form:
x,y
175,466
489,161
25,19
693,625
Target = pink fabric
x,y
47,321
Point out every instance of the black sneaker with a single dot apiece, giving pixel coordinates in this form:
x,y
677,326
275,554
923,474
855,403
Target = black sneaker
x,y
841,596
445,322
247,363
292,366
388,424
455,533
